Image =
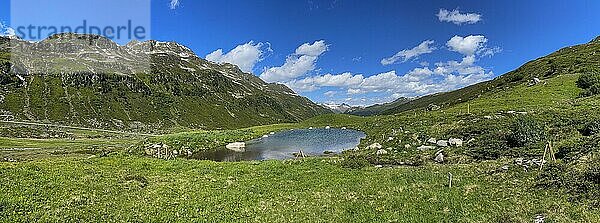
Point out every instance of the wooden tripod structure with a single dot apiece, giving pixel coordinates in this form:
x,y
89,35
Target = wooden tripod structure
x,y
548,150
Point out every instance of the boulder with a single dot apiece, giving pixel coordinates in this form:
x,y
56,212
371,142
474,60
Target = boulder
x,y
236,146
534,81
327,127
375,146
433,107
442,143
439,156
519,161
382,152
424,148
455,142
432,140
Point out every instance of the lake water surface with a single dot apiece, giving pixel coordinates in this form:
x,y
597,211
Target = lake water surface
x,y
283,145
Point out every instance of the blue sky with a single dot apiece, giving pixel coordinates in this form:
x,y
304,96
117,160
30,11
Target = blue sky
x,y
342,50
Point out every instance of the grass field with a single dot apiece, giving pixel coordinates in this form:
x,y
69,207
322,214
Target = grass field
x,y
134,189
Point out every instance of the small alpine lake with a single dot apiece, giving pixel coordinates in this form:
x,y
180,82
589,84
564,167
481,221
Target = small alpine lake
x,y
289,144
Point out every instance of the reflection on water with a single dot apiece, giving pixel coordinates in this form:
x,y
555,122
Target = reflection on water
x,y
283,145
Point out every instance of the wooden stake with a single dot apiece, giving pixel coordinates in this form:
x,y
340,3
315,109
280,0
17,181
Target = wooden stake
x,y
548,149
544,157
450,180
552,152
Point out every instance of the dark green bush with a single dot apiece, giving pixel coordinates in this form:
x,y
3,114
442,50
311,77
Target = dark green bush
x,y
526,131
588,80
591,128
553,176
489,149
354,162
590,83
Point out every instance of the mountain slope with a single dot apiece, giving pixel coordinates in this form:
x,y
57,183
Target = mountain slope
x,y
574,59
90,81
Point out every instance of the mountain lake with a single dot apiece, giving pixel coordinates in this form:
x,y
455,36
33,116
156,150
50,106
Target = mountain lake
x,y
289,144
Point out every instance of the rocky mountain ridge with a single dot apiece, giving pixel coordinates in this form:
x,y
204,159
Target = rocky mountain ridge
x,y
88,80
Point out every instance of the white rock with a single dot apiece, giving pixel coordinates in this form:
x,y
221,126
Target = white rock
x,y
236,146
407,146
344,128
375,146
432,140
423,148
442,143
271,133
327,127
265,136
382,152
378,166
455,142
439,158
390,139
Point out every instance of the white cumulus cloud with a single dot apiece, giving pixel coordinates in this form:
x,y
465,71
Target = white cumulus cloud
x,y
245,56
467,45
458,18
297,64
174,4
6,30
407,54
328,80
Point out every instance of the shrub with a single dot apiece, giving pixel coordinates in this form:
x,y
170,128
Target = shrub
x,y
526,131
590,83
354,162
588,80
553,176
591,128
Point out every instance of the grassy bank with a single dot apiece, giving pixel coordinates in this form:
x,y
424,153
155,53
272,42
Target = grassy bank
x,y
127,188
